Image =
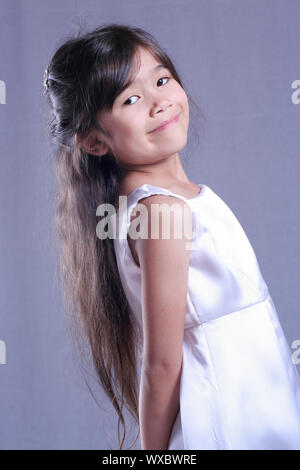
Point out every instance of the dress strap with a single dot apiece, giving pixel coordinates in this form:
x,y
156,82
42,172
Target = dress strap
x,y
145,190
149,190
127,203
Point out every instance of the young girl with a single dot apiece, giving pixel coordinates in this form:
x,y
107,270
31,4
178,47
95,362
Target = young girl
x,y
216,369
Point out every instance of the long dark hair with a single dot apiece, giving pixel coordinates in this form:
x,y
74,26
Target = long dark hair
x,y
84,76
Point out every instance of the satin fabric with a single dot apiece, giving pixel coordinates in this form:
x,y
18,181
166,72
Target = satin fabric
x,y
239,388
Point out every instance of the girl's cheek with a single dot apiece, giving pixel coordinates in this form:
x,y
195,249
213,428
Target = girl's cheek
x,y
130,130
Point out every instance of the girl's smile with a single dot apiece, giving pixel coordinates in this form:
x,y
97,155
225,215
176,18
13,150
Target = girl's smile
x,y
166,124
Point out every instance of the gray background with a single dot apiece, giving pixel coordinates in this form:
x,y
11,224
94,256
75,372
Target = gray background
x,y
238,59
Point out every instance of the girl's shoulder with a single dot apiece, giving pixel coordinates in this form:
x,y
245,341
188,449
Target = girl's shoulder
x,y
188,191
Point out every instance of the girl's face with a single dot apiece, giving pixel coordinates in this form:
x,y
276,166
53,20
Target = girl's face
x,y
154,96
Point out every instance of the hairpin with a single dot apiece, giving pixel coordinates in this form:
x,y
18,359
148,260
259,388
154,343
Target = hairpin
x,y
46,81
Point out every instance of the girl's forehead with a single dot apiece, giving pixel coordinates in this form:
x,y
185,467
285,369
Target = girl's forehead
x,y
143,59
143,55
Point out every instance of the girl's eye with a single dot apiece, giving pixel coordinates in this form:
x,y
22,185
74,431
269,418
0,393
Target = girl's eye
x,y
126,102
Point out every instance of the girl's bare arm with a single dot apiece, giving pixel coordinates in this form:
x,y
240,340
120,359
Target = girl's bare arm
x,y
158,407
164,265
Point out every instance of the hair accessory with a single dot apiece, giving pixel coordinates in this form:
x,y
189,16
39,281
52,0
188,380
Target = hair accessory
x,y
46,80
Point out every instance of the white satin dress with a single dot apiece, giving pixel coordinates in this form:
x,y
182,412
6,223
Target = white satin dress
x,y
239,387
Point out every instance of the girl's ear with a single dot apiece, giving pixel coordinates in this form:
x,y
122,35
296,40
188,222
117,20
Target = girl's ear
x,y
90,143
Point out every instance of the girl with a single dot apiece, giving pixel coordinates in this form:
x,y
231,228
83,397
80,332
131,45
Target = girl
x,y
216,369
